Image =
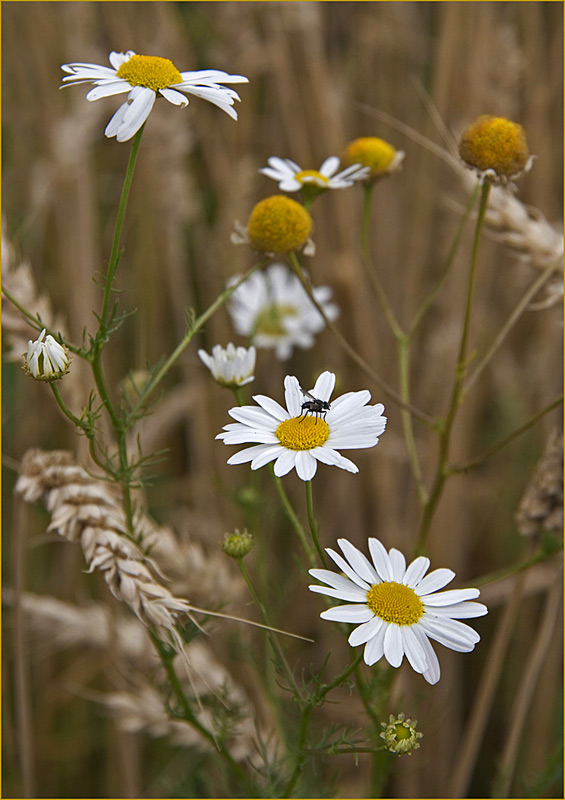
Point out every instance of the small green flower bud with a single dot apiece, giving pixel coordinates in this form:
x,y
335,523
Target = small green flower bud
x,y
400,735
237,544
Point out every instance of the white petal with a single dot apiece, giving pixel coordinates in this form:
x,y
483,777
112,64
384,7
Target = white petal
x,y
334,459
334,580
363,633
347,569
306,465
247,455
380,559
394,645
174,97
414,651
374,649
269,454
358,561
254,417
293,396
284,463
416,571
451,597
459,610
324,386
108,89
136,113
434,581
271,407
353,613
398,564
433,672
451,633
329,166
355,595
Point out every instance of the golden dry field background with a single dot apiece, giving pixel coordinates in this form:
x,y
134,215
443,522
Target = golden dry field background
x,y
320,74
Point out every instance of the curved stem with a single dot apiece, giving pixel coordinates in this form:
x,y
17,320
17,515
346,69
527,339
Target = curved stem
x,y
509,324
424,418
296,524
158,376
115,252
370,268
443,471
312,521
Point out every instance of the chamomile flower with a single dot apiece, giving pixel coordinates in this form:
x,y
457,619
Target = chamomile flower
x,y
496,148
272,309
298,438
231,366
293,178
399,609
380,157
145,78
46,359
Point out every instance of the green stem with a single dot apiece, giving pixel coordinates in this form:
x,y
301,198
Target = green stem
x,y
428,302
275,644
36,323
407,424
302,752
424,418
443,471
507,439
295,522
167,655
370,268
312,522
158,376
115,252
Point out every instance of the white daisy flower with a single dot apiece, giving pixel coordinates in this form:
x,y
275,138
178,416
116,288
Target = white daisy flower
x,y
145,78
46,359
273,310
399,609
292,178
308,430
231,366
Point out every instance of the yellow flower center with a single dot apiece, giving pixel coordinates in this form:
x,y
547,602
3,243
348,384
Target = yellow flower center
x,y
151,72
270,321
495,143
303,433
278,224
311,176
395,603
370,151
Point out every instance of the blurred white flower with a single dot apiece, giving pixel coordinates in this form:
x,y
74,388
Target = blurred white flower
x,y
311,430
145,78
231,366
292,177
46,359
399,609
272,309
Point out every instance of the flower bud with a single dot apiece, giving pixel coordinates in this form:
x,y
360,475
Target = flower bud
x,y
46,359
237,544
400,735
278,224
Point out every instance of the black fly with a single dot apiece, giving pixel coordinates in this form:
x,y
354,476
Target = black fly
x,y
314,406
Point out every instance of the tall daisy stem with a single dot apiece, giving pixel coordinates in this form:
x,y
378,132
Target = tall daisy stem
x,y
443,471
312,521
295,522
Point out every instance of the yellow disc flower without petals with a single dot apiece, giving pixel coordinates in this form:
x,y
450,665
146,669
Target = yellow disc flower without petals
x,y
379,156
278,224
495,147
397,609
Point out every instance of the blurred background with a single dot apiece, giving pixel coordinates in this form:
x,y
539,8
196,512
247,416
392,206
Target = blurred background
x,y
317,72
